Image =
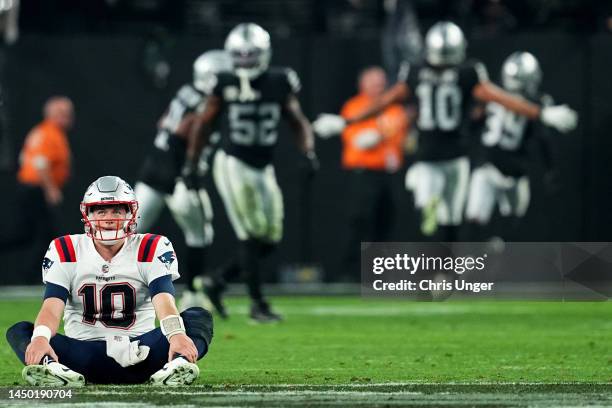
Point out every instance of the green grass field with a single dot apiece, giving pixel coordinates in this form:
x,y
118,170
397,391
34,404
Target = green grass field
x,y
352,351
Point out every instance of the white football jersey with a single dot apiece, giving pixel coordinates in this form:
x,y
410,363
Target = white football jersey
x,y
108,298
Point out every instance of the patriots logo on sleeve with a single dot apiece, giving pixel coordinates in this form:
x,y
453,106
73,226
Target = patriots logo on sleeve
x,y
167,258
46,264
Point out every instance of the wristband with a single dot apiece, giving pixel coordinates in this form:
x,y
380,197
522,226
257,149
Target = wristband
x,y
41,331
171,325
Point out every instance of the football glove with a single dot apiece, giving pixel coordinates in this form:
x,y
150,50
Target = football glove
x,y
328,125
561,117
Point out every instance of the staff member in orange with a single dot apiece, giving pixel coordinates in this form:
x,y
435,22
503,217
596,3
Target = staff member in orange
x,y
372,153
44,169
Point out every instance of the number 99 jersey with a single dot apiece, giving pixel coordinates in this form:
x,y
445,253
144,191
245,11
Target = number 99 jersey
x,y
108,298
251,111
443,97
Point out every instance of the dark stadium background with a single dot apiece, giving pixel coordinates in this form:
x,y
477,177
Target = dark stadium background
x,y
95,54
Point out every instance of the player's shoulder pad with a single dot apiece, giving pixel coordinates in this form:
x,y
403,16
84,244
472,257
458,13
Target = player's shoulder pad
x,y
293,80
480,68
287,75
189,95
65,248
148,245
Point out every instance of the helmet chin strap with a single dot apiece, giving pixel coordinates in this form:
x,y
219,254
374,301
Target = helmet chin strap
x,y
111,242
246,91
110,238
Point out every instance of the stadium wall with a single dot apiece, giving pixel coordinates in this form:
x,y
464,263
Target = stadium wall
x,y
117,108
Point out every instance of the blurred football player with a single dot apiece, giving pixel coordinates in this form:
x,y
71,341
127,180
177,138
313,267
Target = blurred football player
x,y
500,177
444,87
161,183
249,102
110,284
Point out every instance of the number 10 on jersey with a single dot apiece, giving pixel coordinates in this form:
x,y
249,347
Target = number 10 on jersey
x,y
100,305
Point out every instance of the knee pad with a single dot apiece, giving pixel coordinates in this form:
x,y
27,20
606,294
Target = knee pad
x,y
19,328
18,335
198,323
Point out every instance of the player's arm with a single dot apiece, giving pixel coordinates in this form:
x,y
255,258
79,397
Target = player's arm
x,y
301,126
486,91
40,157
201,127
46,325
171,324
159,274
328,125
560,117
398,93
161,119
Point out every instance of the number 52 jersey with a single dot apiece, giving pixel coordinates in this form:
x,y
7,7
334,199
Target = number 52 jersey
x,y
251,112
108,298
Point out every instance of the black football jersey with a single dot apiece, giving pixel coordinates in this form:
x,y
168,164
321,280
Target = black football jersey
x,y
251,112
505,137
188,99
443,96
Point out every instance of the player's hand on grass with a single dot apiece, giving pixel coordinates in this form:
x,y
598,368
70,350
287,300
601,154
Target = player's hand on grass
x,y
37,349
183,345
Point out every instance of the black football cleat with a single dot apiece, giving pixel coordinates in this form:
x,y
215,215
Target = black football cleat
x,y
261,313
214,293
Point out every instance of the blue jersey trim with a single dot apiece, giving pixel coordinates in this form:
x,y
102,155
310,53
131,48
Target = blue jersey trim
x,y
163,284
56,291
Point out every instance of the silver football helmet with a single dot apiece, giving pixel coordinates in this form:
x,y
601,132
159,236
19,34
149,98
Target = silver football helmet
x,y
109,190
521,73
445,44
248,46
207,65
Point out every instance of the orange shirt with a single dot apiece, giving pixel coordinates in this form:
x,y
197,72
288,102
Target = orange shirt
x,y
46,144
391,125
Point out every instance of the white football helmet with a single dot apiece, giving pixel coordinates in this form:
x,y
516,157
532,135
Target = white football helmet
x,y
206,66
445,44
109,190
521,73
248,45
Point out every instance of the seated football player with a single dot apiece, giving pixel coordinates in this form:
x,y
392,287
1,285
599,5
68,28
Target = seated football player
x,y
110,283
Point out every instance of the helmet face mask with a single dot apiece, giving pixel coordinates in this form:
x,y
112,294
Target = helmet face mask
x,y
109,193
445,44
521,74
248,46
207,65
